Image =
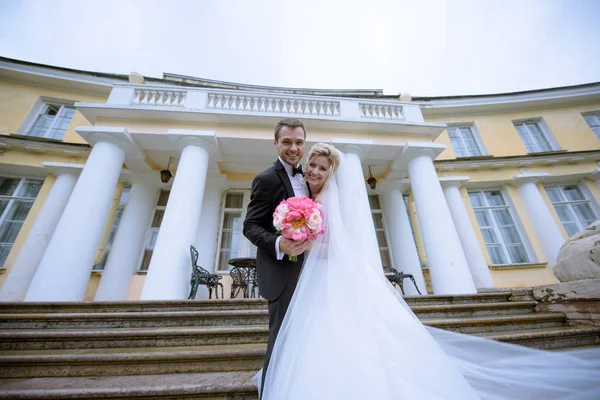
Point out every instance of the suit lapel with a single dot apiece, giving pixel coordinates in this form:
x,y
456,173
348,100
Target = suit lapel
x,y
289,190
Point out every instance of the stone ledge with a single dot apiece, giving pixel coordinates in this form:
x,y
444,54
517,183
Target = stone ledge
x,y
518,266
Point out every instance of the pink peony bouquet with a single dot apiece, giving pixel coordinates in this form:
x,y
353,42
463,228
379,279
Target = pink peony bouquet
x,y
299,218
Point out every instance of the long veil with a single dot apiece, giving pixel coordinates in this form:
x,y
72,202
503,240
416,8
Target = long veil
x,y
348,334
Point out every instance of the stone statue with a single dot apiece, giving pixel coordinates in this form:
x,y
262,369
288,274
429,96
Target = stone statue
x,y
579,257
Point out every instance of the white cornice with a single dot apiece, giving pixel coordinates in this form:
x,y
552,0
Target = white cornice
x,y
559,97
524,161
57,78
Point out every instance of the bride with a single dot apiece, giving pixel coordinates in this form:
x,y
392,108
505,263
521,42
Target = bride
x,y
348,334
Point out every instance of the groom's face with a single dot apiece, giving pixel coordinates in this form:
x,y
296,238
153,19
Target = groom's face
x,y
290,144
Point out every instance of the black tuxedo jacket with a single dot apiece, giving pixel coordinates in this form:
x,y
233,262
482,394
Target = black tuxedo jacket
x,y
269,188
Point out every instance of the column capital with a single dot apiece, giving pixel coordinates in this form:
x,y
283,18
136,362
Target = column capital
x,y
414,150
521,179
454,181
187,137
386,185
595,174
57,168
150,179
120,137
352,148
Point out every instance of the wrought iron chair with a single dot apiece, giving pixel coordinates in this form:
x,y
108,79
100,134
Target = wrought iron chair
x,y
200,276
239,281
397,278
254,282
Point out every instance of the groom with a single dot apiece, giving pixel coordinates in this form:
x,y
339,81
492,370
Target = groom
x,y
277,275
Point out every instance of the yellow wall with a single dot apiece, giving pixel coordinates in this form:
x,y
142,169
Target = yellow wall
x,y
501,138
17,100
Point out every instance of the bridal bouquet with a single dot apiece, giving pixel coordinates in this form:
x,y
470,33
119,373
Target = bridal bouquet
x,y
299,218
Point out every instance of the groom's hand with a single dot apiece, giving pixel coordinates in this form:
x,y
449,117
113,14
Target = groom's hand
x,y
293,247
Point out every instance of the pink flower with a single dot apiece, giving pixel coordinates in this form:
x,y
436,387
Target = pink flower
x,y
299,218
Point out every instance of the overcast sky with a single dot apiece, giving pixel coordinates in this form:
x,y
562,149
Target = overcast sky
x,y
436,47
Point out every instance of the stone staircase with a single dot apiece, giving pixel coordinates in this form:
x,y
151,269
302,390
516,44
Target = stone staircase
x,y
209,349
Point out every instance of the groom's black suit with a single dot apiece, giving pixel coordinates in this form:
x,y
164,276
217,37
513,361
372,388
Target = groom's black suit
x,y
277,279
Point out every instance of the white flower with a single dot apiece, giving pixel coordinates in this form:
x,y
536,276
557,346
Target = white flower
x,y
314,221
282,209
278,221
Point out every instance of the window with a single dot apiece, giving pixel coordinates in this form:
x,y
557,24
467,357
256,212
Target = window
x,y
113,231
465,141
593,121
536,136
16,199
572,207
51,120
232,243
500,233
159,212
377,214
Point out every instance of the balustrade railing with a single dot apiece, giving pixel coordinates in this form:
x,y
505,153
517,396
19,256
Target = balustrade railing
x,y
157,97
380,111
264,104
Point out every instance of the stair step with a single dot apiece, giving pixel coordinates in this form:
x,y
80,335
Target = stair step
x,y
500,323
143,319
128,338
231,334
215,305
562,337
136,361
130,306
474,310
235,385
133,319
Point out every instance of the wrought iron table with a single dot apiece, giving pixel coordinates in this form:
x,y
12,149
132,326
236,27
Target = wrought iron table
x,y
243,275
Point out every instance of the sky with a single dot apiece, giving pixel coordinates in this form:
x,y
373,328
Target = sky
x,y
424,48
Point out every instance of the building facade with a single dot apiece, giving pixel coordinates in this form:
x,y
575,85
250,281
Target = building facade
x,y
472,193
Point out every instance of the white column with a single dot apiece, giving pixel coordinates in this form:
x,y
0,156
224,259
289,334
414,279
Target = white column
x,y
448,265
364,234
170,269
28,260
470,245
402,243
64,271
128,242
542,220
208,229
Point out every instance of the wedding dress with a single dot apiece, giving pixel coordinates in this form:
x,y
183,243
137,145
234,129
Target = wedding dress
x,y
348,334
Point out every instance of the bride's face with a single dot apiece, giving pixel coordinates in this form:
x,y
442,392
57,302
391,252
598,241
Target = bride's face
x,y
317,170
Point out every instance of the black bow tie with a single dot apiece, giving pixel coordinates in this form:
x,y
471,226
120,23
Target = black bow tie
x,y
297,170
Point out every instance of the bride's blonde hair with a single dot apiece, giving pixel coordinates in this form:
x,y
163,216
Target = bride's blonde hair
x,y
327,150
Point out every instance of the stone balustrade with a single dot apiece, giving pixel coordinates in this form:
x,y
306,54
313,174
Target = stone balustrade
x,y
382,115
158,97
272,104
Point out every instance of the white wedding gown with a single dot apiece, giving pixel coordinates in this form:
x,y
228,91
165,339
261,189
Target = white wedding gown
x,y
348,334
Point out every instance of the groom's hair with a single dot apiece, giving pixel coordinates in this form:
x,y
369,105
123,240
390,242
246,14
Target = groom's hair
x,y
291,123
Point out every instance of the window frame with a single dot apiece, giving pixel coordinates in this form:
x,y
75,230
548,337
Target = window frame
x,y
36,111
99,267
588,199
151,229
246,248
544,129
384,230
11,200
476,136
509,205
596,116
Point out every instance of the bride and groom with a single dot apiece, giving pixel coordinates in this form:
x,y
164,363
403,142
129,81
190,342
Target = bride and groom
x,y
339,330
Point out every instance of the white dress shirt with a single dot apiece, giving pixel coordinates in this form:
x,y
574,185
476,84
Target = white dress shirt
x,y
300,189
